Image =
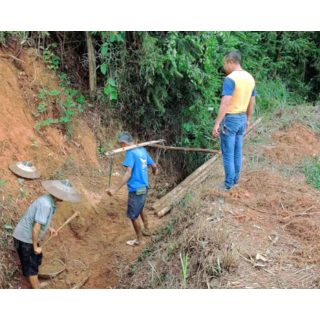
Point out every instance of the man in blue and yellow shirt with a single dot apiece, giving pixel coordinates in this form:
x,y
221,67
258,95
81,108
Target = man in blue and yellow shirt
x,y
236,108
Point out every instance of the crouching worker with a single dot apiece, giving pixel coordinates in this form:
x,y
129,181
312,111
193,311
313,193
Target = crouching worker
x,y
136,161
34,224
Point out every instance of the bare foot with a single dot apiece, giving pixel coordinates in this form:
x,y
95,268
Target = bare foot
x,y
146,232
43,285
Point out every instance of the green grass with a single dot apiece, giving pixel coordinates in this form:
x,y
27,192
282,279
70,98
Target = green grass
x,y
311,170
274,94
2,182
184,265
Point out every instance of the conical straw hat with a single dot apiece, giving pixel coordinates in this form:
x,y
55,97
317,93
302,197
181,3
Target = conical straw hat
x,y
25,169
62,189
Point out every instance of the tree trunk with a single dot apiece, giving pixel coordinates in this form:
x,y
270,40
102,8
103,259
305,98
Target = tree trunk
x,y
92,65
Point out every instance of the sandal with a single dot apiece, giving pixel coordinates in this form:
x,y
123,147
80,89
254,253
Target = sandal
x,y
133,242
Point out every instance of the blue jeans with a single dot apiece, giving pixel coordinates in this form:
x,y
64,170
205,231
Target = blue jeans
x,y
232,128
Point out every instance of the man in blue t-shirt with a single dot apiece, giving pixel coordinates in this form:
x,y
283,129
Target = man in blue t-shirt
x,y
136,161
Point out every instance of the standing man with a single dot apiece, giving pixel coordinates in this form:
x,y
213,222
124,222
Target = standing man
x,y
136,161
34,224
236,108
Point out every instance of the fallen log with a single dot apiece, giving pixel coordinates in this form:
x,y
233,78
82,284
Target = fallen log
x,y
181,188
110,153
68,221
199,175
184,149
165,204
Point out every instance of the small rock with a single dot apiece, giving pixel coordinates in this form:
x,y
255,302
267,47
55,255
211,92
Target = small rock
x,y
260,257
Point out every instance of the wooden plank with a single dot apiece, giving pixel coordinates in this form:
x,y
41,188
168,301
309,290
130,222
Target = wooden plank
x,y
184,149
110,153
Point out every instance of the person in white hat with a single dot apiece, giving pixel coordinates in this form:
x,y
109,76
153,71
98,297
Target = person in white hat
x,y
34,224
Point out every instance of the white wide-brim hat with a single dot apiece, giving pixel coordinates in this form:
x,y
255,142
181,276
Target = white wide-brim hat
x,y
25,169
62,189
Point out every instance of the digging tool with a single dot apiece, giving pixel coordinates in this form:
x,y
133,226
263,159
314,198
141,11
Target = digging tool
x,y
68,221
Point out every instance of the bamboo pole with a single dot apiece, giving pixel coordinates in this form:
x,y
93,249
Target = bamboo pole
x,y
164,205
110,153
66,222
184,149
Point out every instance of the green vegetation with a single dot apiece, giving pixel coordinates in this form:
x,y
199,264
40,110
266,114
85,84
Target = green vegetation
x,y
68,102
184,266
168,84
311,170
2,182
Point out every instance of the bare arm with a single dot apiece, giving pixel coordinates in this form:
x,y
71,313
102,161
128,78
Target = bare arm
x,y
124,180
224,105
35,237
155,170
250,110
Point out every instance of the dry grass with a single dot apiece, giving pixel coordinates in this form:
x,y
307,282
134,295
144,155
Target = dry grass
x,y
196,232
263,234
9,265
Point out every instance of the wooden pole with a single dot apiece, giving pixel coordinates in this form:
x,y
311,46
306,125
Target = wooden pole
x,y
68,221
110,153
184,149
164,205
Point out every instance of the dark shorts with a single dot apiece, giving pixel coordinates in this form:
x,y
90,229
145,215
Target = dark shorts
x,y
135,204
29,260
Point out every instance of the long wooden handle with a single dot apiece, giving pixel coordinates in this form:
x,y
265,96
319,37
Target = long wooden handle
x,y
110,153
184,149
68,221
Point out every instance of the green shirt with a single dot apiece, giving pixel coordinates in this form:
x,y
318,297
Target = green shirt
x,y
41,211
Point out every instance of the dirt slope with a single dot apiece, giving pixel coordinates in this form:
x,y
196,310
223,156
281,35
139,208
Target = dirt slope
x,y
97,238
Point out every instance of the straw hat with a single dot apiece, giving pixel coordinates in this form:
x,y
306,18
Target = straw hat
x,y
25,169
62,189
